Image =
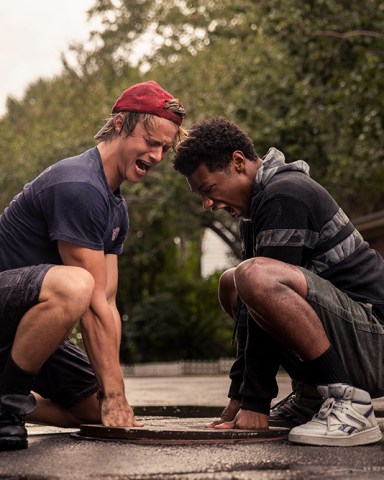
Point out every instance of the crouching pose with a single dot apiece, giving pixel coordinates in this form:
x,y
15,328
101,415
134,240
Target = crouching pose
x,y
59,243
309,295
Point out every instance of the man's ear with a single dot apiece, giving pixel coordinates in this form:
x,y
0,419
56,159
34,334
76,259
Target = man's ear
x,y
238,160
118,123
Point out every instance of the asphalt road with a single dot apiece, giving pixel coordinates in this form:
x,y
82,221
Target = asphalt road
x,y
57,454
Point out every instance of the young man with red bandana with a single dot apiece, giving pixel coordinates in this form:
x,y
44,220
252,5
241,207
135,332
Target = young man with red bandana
x,y
60,238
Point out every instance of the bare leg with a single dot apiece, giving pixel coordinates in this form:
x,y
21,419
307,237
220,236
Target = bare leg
x,y
87,410
228,293
275,293
65,295
50,413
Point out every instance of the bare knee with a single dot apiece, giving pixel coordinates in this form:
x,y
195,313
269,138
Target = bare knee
x,y
250,270
227,283
227,292
69,287
263,278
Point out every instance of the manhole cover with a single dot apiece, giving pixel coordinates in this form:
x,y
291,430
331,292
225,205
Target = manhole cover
x,y
172,431
179,411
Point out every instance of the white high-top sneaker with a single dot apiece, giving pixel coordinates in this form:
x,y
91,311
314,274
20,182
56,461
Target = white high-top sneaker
x,y
346,418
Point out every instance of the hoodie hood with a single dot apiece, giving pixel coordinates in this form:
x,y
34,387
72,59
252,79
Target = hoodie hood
x,y
273,163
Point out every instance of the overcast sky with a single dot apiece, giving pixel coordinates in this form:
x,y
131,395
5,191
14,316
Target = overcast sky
x,y
33,34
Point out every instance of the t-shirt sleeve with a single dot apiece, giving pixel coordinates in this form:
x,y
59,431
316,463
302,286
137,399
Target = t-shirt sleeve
x,y
75,212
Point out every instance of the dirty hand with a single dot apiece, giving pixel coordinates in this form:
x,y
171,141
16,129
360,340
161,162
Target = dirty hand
x,y
246,420
228,414
116,412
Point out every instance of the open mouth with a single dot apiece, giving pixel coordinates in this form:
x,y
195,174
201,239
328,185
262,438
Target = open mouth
x,y
231,211
142,167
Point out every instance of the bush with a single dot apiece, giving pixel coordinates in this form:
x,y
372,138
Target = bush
x,y
184,322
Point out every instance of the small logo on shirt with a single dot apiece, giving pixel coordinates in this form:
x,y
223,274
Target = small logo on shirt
x,y
115,233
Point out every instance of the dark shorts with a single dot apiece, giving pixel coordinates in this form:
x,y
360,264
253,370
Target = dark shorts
x,y
67,376
354,331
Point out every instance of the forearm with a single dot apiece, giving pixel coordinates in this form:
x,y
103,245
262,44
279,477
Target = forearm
x,y
100,327
253,374
237,371
117,321
262,361
102,342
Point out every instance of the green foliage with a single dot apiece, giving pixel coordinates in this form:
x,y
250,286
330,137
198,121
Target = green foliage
x,y
336,50
304,77
183,321
164,237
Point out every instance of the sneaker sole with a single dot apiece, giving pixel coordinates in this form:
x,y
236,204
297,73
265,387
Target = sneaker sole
x,y
13,443
365,437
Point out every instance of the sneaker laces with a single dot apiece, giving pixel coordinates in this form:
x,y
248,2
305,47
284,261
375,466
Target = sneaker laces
x,y
327,408
337,408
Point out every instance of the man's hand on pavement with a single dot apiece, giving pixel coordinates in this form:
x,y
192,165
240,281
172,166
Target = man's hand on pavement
x,y
246,420
116,412
228,414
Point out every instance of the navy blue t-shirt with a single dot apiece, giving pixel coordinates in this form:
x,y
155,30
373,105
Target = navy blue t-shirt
x,y
70,201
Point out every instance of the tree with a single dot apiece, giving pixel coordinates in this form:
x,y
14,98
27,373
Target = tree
x,y
312,74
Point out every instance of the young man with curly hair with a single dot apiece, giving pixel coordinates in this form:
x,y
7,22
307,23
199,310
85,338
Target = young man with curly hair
x,y
309,295
59,243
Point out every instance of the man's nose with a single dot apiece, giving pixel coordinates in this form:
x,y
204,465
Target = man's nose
x,y
207,203
157,154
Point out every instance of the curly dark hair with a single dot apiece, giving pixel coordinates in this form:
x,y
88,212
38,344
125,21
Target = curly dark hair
x,y
212,142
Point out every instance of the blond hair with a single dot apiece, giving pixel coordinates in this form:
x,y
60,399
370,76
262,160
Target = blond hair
x,y
129,120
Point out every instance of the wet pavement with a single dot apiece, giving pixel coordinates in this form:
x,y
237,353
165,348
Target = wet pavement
x,y
61,454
